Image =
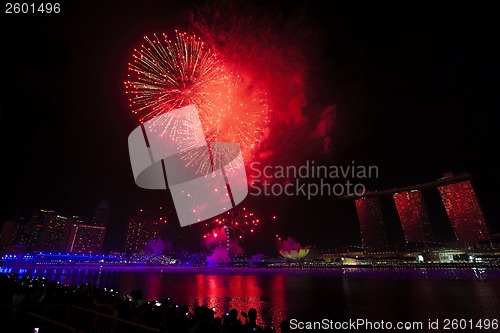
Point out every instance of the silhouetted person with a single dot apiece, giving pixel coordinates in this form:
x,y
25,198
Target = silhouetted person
x,y
251,324
231,323
204,317
285,326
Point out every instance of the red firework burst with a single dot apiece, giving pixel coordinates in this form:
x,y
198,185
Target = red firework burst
x,y
166,75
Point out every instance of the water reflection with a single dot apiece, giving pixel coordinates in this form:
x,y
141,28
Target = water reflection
x,y
221,291
308,295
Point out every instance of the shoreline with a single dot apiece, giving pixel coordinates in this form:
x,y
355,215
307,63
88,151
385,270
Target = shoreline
x,y
401,266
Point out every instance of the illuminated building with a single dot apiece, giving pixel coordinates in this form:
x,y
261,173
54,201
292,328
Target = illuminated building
x,y
29,234
101,214
31,231
79,220
295,254
413,216
85,238
54,233
140,231
9,233
464,212
371,222
12,228
459,199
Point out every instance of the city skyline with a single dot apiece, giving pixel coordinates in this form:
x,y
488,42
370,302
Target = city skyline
x,y
349,148
46,230
408,90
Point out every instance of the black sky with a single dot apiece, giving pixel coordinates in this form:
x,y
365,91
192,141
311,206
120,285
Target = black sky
x,y
415,87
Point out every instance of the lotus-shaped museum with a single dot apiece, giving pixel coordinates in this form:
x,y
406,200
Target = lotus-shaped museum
x,y
295,253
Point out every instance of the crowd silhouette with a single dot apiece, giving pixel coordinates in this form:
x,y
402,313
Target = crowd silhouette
x,y
165,315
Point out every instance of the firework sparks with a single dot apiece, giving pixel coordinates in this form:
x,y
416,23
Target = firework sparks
x,y
166,75
235,224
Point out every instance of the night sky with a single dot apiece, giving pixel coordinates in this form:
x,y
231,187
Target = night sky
x,y
415,88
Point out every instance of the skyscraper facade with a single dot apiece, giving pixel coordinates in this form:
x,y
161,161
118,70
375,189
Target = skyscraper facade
x,y
464,212
413,216
101,214
31,231
371,222
54,233
141,230
85,238
9,233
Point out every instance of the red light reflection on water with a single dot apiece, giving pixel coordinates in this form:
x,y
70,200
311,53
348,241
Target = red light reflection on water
x,y
242,292
222,290
154,287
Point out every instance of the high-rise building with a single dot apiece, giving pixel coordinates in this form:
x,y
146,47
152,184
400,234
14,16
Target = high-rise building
x,y
29,234
85,238
12,227
79,220
31,230
413,216
9,233
55,233
464,212
371,222
141,230
101,214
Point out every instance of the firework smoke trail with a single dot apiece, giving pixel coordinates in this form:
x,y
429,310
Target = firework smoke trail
x,y
166,75
289,244
276,53
157,246
219,241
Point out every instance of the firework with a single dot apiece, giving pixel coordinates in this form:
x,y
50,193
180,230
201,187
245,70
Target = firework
x,y
166,75
241,116
227,229
234,224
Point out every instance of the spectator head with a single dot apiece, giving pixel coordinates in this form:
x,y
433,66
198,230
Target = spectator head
x,y
285,326
252,315
233,314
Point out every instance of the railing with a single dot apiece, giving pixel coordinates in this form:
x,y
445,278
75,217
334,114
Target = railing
x,y
92,321
46,323
66,318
